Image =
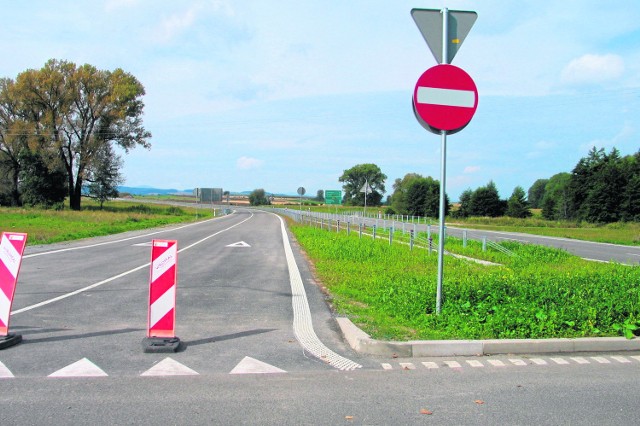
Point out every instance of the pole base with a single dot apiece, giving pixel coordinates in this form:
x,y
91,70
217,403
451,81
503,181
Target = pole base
x,y
10,340
161,344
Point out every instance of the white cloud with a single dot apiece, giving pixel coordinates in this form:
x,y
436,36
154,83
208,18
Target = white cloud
x,y
471,169
248,163
589,69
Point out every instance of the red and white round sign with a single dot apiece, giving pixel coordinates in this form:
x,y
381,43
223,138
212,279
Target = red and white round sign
x,y
445,98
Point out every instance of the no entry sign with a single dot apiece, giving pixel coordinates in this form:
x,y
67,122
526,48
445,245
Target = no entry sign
x,y
445,98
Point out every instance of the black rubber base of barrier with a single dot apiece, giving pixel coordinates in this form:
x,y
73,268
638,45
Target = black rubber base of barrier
x,y
10,340
161,344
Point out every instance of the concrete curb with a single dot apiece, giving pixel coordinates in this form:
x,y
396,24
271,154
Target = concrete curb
x,y
363,343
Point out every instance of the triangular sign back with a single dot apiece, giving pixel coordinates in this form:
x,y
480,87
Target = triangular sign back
x,y
429,22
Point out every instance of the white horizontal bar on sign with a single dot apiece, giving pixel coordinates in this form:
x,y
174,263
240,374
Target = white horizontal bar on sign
x,y
446,97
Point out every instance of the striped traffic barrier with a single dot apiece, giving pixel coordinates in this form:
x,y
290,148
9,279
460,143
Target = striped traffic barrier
x,y
11,248
161,319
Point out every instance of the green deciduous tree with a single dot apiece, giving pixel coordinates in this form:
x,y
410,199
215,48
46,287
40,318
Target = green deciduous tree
x,y
77,110
258,197
39,184
354,180
104,176
536,193
555,204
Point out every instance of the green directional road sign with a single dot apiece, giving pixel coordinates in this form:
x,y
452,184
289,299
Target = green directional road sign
x,y
333,197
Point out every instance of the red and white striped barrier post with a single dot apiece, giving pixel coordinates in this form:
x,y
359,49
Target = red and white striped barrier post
x,y
161,330
11,248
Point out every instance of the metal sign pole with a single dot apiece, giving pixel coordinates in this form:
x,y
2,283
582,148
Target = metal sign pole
x,y
443,172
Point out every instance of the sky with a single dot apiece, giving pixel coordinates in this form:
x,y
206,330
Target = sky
x,y
278,94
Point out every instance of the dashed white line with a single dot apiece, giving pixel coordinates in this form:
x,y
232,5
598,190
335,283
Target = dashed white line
x,y
580,360
621,359
430,365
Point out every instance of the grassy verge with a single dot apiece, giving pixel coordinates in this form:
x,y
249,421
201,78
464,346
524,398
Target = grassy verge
x,y
389,291
49,226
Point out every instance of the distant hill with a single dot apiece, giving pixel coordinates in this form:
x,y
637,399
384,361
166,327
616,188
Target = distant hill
x,y
147,190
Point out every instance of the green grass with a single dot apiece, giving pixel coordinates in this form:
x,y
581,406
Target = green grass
x,y
50,226
625,233
390,291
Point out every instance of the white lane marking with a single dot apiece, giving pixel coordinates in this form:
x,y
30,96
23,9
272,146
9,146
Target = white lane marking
x,y
239,244
386,366
538,361
621,359
475,363
446,97
82,368
302,324
115,277
600,360
5,373
119,241
580,360
250,365
452,364
496,363
560,361
169,367
636,357
430,365
519,362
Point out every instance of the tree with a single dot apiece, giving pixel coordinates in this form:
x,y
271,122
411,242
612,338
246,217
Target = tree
x,y
465,204
13,140
39,185
423,198
555,204
485,201
104,175
320,195
398,199
536,193
631,197
77,110
517,205
354,180
597,185
258,198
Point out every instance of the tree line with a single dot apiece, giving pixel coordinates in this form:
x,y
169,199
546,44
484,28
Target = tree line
x,y
602,188
59,127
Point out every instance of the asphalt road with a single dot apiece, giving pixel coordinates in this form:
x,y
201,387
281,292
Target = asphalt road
x,y
248,357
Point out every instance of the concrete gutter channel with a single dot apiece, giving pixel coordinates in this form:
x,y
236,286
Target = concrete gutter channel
x,y
361,342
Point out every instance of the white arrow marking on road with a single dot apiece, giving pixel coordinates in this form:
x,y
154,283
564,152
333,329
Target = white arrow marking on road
x,y
169,367
239,244
446,97
253,366
82,368
4,372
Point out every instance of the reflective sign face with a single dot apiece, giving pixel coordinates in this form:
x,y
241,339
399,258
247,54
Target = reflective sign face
x,y
445,97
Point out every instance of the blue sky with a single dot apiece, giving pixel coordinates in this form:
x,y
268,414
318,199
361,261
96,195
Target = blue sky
x,y
245,94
